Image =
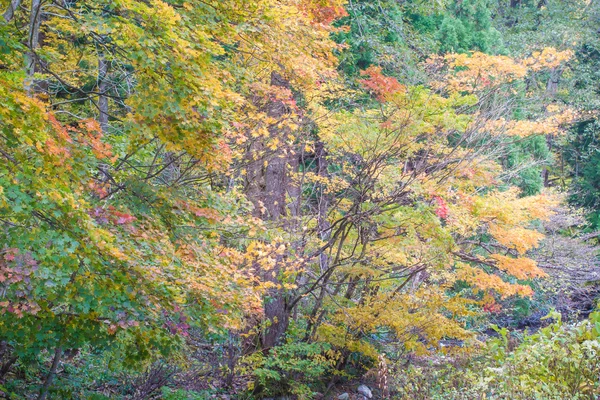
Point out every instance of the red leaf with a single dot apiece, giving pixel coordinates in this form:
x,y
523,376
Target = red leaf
x,y
442,208
383,86
125,219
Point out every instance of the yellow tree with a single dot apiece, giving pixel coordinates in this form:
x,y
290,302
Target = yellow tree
x,y
395,202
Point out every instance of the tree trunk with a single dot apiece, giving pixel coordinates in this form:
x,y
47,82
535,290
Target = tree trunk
x,y
268,183
545,170
323,206
10,11
50,377
102,89
552,85
278,314
33,43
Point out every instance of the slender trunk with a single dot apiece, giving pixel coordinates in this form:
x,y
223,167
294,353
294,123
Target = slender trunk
x,y
324,233
323,207
232,357
351,288
33,43
552,85
10,11
545,170
50,377
313,320
102,89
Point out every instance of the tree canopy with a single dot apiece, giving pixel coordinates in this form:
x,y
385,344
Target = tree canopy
x,y
282,197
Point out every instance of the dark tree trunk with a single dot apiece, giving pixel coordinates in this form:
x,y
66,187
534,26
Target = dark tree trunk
x,y
268,184
35,19
51,373
278,314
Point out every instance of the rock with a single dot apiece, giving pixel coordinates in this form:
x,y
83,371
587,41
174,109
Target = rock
x,y
344,396
365,391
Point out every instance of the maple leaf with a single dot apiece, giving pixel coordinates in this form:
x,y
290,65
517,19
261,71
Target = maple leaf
x,y
442,208
383,86
10,254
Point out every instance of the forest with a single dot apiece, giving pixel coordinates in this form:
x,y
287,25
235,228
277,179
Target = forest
x,y
299,199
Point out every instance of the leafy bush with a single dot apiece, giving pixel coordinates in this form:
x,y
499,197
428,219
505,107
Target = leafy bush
x,y
560,361
292,368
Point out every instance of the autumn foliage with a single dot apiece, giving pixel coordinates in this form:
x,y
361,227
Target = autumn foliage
x,y
184,176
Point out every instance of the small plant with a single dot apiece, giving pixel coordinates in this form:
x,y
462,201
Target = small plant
x,y
292,368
